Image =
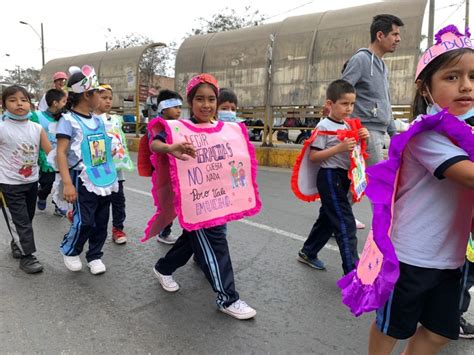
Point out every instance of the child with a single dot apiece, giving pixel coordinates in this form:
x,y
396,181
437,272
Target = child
x,y
335,215
432,208
56,100
113,125
20,141
227,106
88,182
169,107
208,244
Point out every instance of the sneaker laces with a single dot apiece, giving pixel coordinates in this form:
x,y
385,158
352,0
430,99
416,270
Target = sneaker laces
x,y
167,279
117,233
239,304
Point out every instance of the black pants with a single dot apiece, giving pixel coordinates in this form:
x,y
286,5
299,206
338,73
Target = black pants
x,y
212,252
118,207
468,282
21,205
90,220
335,216
46,181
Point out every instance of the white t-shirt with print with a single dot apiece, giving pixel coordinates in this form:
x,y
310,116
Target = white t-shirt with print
x,y
19,149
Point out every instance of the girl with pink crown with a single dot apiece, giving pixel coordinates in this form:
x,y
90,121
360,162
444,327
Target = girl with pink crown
x,y
191,181
423,198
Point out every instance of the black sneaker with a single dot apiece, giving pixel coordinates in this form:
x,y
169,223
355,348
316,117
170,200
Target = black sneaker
x,y
30,264
314,263
16,252
466,330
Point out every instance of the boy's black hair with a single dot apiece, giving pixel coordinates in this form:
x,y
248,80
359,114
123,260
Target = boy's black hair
x,y
384,23
54,95
12,90
338,88
168,94
227,95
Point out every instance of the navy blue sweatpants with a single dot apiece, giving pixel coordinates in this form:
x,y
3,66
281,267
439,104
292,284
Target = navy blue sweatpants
x,y
467,283
118,207
335,217
210,247
90,219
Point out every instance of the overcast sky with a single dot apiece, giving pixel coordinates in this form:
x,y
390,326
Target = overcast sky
x,y
77,27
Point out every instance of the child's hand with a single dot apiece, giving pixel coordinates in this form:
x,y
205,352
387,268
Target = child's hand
x,y
179,150
69,193
347,145
363,133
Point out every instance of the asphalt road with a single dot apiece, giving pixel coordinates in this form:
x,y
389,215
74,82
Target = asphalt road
x,y
125,311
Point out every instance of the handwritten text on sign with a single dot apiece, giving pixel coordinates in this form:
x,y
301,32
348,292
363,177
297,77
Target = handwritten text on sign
x,y
218,182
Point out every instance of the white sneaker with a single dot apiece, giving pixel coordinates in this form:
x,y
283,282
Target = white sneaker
x,y
359,224
166,281
73,263
240,310
171,239
97,267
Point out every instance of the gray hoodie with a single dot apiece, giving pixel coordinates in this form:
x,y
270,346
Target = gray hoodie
x,y
369,75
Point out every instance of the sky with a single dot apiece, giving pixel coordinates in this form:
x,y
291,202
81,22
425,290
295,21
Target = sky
x,y
78,27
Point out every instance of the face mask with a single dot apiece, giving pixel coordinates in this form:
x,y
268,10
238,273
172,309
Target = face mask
x,y
227,116
434,109
18,117
57,115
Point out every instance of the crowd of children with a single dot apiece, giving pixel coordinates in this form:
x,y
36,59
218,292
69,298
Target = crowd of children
x,y
77,148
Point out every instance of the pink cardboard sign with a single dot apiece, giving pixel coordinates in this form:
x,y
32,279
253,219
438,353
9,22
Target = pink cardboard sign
x,y
370,261
219,185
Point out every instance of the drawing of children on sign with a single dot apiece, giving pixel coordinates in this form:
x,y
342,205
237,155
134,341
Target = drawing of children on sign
x,y
235,175
242,177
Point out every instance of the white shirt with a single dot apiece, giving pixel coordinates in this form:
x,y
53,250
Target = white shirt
x,y
432,214
19,149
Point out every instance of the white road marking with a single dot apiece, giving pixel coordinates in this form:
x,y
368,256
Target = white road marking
x,y
253,224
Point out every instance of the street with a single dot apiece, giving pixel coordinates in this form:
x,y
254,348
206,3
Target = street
x,y
126,311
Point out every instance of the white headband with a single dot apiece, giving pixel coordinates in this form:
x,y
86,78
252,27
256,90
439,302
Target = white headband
x,y
168,104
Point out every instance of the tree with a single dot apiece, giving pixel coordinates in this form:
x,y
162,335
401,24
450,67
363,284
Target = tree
x,y
28,78
228,19
155,61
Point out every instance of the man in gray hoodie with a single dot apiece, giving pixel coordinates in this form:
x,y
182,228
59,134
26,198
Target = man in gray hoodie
x,y
367,72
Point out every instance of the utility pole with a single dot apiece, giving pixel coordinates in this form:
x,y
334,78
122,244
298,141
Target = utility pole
x,y
40,36
466,18
431,23
42,44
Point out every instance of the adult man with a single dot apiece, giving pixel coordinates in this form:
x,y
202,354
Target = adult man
x,y
59,80
367,72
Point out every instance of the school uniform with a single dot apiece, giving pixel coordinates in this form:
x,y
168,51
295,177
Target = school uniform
x,y
91,209
335,215
210,247
429,234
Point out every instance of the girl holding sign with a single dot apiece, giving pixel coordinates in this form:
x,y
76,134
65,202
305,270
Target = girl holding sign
x,y
430,179
88,174
186,148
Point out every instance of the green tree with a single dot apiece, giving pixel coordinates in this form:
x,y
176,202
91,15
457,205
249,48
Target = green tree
x,y
28,78
228,19
155,61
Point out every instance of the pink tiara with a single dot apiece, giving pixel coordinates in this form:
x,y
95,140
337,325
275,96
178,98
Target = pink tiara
x,y
447,39
201,79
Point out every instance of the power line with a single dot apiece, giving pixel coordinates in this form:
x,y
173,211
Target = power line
x,y
456,9
290,10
